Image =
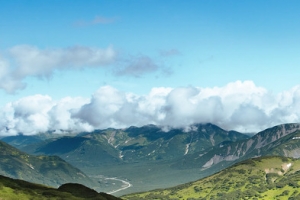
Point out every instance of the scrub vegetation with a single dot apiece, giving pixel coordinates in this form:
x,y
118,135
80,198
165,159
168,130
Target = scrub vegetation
x,y
260,178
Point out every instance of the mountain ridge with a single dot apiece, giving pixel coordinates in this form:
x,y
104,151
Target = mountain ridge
x,y
202,150
242,149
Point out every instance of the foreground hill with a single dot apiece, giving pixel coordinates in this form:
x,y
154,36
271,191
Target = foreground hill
x,y
11,189
48,170
259,178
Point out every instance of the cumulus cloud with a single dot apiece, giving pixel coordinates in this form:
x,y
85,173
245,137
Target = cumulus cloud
x,y
40,113
26,60
240,106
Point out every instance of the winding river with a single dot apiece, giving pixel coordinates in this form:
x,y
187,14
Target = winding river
x,y
125,185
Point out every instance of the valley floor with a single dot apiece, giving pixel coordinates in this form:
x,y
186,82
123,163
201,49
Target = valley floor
x,y
129,178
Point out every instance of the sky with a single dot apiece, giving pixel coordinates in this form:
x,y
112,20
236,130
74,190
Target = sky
x,y
84,65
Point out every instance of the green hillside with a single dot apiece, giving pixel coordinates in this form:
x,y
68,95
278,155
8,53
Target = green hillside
x,y
48,170
260,178
12,189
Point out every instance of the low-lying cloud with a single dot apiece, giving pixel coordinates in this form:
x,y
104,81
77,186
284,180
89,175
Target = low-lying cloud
x,y
240,106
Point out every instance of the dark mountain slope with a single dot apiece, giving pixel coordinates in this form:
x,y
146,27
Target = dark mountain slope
x,y
49,170
79,151
227,154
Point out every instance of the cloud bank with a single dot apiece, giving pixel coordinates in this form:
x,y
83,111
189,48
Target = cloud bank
x,y
240,106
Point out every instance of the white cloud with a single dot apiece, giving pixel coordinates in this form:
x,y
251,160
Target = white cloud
x,y
240,106
40,113
100,112
7,81
61,112
33,61
27,115
26,60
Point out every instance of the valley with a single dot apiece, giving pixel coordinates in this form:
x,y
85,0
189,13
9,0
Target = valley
x,y
139,159
148,153
260,178
146,176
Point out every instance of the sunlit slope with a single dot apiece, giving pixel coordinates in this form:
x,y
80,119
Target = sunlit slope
x,y
49,170
12,189
260,178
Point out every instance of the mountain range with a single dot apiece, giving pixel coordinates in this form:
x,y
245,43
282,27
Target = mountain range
x,y
149,157
147,143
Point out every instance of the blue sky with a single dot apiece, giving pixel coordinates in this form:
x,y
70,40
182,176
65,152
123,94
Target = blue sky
x,y
74,48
